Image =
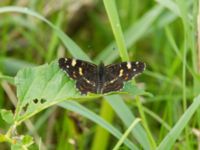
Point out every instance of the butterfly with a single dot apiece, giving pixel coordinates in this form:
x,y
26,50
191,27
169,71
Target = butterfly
x,y
100,79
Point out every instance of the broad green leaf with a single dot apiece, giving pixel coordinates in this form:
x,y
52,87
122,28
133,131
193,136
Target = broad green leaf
x,y
7,116
27,140
41,87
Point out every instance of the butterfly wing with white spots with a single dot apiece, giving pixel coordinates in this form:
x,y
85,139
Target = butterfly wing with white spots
x,y
100,79
85,73
116,74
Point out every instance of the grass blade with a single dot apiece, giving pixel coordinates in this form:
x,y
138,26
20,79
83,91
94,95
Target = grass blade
x,y
170,5
126,134
73,48
173,135
110,7
127,117
135,32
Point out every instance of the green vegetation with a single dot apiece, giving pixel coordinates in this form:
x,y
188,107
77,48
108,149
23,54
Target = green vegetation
x,y
40,107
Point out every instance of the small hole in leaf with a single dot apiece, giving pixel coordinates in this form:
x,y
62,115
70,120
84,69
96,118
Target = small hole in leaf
x,y
35,101
25,107
43,101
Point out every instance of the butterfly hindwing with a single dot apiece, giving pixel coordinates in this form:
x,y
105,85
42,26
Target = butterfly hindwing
x,y
85,73
112,86
86,86
116,74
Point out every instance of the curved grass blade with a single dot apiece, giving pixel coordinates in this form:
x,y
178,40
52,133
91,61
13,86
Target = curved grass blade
x,y
126,134
127,117
173,135
10,66
131,35
73,48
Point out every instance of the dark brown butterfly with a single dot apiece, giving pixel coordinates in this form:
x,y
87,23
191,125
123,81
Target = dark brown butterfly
x,y
91,78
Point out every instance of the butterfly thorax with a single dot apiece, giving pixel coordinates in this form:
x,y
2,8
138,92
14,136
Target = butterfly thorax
x,y
100,79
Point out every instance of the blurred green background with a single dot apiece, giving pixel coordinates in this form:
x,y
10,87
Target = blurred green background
x,y
163,34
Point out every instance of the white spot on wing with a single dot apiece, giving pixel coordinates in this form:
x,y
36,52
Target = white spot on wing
x,y
86,80
112,81
121,72
80,71
128,65
134,69
137,62
73,62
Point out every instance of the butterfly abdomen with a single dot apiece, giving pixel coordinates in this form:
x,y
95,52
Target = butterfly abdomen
x,y
100,77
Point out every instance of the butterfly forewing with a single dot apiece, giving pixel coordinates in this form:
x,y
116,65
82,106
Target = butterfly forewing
x,y
116,74
85,73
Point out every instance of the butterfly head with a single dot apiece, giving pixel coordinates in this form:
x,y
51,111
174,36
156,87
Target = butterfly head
x,y
101,64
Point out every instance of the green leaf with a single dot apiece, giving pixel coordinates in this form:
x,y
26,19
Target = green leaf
x,y
27,140
7,116
16,146
41,87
